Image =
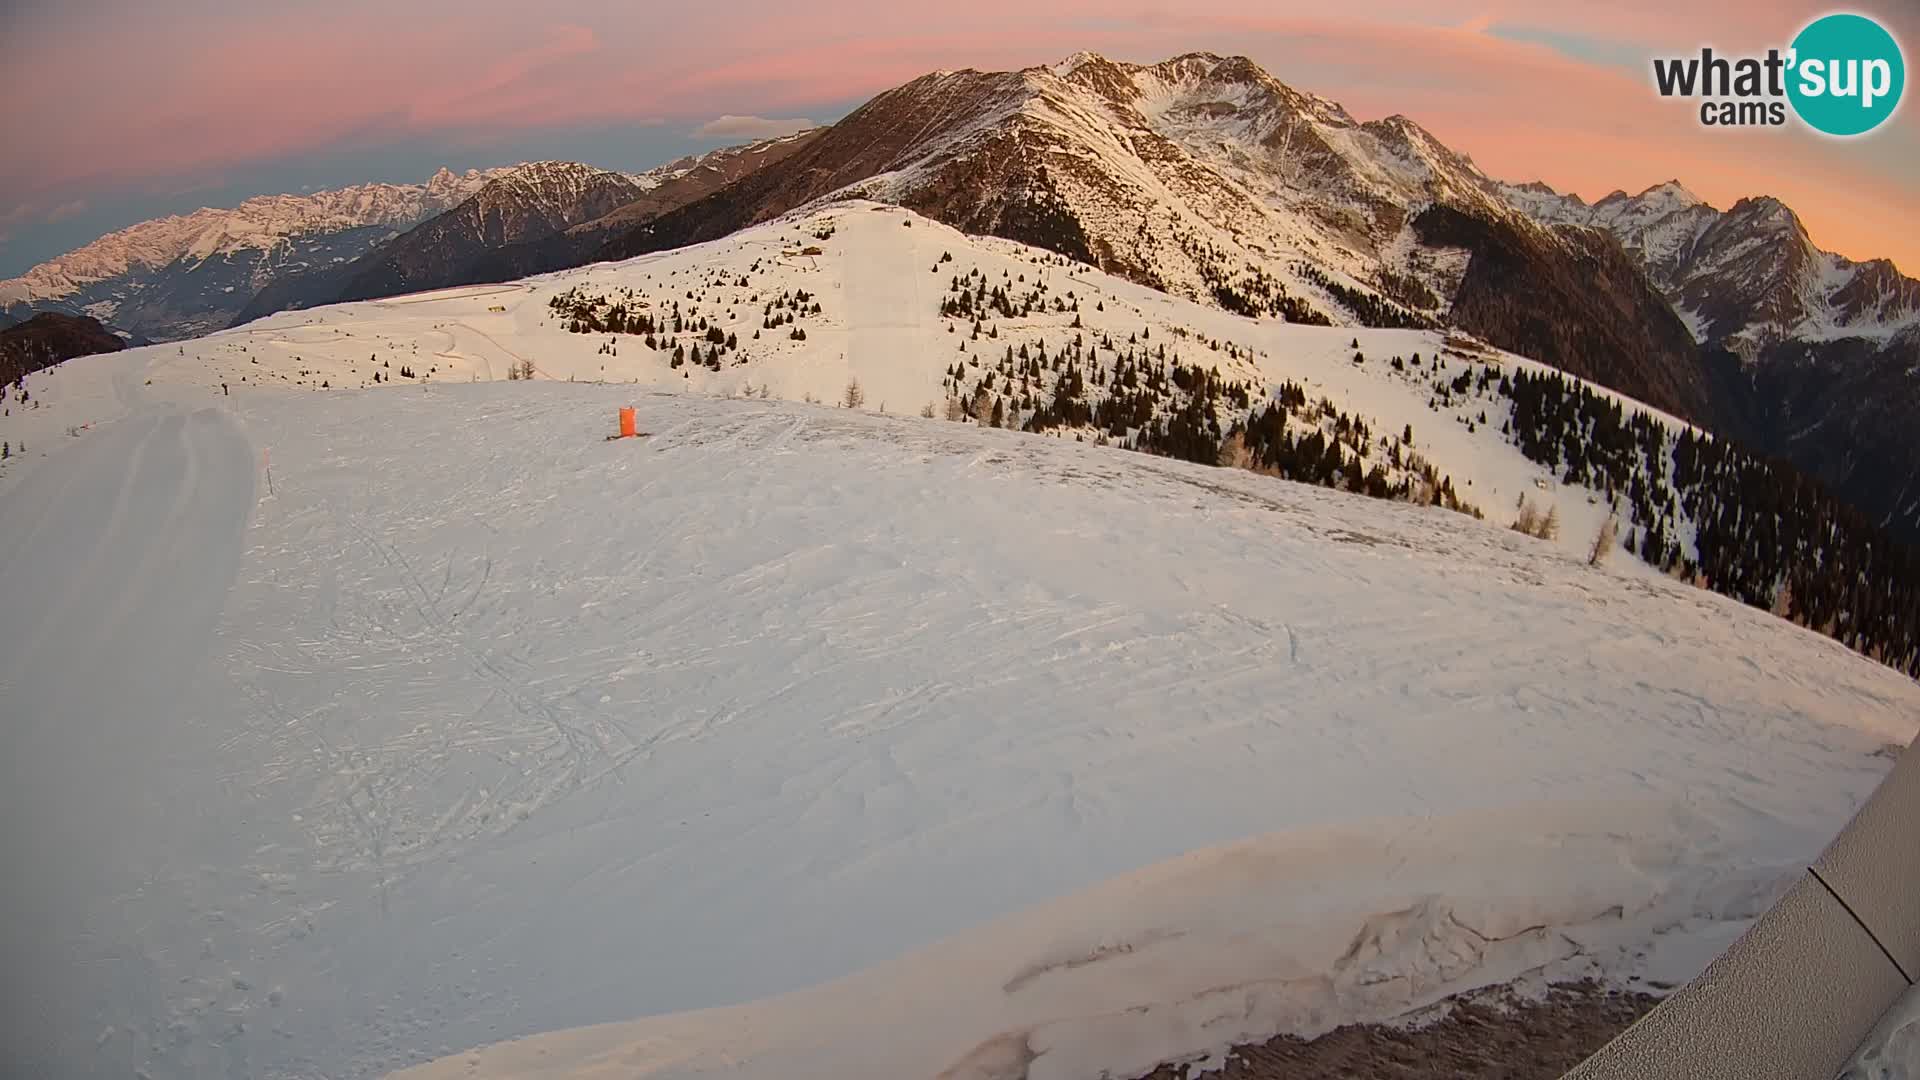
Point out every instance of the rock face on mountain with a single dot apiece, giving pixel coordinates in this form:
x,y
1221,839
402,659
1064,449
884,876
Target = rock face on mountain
x,y
1812,357
179,276
526,203
49,338
1206,177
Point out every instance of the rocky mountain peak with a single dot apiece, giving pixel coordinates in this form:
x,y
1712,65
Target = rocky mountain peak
x,y
447,187
552,183
1764,212
1672,193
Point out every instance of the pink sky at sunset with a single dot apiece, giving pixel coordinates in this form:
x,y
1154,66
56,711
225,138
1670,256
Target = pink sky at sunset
x,y
119,98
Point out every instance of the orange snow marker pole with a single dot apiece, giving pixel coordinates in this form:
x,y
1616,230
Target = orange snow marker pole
x,y
627,428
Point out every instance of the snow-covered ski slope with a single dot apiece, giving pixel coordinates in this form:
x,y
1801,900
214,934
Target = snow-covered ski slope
x,y
896,745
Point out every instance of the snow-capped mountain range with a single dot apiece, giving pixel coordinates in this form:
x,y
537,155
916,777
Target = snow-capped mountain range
x,y
1747,277
1198,174
529,202
258,223
186,273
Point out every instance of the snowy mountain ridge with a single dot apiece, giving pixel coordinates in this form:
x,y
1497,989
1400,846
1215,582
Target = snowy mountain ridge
x,y
715,160
1812,357
1205,177
1231,157
552,182
535,219
187,274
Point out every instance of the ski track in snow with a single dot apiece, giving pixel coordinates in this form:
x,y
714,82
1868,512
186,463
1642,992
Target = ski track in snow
x,y
479,726
115,561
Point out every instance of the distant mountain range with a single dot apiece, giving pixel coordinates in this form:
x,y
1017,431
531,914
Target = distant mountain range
x,y
1202,176
187,274
527,202
527,220
1745,278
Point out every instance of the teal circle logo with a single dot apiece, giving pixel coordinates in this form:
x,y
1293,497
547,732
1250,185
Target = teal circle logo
x,y
1847,75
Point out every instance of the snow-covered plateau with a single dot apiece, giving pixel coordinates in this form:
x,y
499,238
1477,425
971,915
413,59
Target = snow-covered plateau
x,y
351,725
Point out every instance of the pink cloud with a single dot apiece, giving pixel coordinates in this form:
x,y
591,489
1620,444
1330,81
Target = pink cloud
x,y
267,89
749,127
513,88
66,210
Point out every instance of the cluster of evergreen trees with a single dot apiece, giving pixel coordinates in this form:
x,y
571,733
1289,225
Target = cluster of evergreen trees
x,y
1339,451
1763,533
1249,290
970,297
1260,295
622,313
782,310
661,329
1372,310
707,356
1141,396
1407,290
1121,392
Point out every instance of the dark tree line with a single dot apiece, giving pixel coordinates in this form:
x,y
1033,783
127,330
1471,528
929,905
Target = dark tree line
x,y
1372,310
1254,292
1764,533
49,339
1338,451
1408,290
